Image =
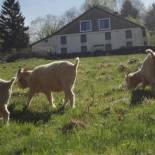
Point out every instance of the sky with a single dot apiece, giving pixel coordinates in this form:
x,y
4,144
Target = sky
x,y
31,9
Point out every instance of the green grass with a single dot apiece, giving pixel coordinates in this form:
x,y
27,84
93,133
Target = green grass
x,y
116,121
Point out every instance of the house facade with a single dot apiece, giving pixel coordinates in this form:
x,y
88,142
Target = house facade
x,y
94,30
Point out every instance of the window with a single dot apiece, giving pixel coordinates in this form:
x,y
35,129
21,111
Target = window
x,y
63,40
129,44
63,50
108,47
145,43
83,38
144,32
107,35
83,48
128,34
104,24
46,40
85,26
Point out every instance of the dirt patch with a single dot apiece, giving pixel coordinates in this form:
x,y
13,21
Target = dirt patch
x,y
73,124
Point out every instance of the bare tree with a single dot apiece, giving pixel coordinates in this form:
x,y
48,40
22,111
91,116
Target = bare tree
x,y
70,15
150,18
129,10
139,5
42,27
34,29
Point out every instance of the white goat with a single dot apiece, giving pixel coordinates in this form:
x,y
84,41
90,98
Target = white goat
x,y
145,75
54,77
5,94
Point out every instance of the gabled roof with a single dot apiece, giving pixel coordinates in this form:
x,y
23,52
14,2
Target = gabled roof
x,y
117,24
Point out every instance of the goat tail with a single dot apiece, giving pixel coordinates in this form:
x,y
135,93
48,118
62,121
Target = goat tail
x,y
77,63
151,52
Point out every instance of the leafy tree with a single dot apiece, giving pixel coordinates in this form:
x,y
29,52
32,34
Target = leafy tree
x,y
13,32
150,18
136,20
106,4
151,38
129,10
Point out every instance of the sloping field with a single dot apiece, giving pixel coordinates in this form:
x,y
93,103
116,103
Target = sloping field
x,y
108,119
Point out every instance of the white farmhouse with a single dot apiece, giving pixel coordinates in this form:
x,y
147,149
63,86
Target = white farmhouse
x,y
96,29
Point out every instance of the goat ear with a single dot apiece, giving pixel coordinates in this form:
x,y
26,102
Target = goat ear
x,y
151,52
19,71
26,69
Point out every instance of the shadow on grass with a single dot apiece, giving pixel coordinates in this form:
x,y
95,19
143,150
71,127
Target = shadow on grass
x,y
138,96
28,116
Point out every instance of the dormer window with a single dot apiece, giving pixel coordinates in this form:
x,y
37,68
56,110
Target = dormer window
x,y
85,26
104,24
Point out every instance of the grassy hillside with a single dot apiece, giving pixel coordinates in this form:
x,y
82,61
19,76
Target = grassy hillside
x,y
108,119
